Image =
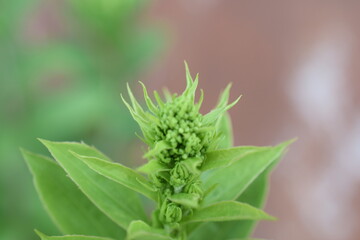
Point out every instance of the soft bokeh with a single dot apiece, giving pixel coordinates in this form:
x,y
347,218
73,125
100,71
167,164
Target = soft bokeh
x,y
63,65
296,63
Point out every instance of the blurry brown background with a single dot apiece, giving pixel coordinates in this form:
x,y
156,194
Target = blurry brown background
x,y
296,63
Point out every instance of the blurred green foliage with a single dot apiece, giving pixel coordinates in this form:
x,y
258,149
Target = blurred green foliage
x,y
62,67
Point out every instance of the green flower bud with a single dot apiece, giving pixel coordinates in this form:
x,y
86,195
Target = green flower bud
x,y
194,188
170,212
179,175
173,213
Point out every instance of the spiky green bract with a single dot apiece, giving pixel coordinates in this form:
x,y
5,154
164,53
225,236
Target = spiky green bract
x,y
178,136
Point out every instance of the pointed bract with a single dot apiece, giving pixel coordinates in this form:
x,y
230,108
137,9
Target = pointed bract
x,y
189,80
214,115
148,100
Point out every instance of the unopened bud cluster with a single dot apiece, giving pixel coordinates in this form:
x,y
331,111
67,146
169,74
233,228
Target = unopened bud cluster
x,y
181,128
179,138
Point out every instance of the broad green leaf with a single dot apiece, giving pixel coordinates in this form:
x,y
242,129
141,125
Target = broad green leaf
x,y
232,180
253,195
119,203
206,230
225,157
227,211
139,230
120,174
68,207
224,128
69,237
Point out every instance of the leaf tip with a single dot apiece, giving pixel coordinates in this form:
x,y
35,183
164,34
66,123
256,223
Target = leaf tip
x,y
271,218
23,151
40,234
26,155
286,144
44,141
291,141
186,65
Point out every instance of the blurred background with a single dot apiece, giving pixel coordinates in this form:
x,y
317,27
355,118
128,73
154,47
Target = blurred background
x,y
296,63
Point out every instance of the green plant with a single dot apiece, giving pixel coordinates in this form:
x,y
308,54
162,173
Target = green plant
x,y
202,187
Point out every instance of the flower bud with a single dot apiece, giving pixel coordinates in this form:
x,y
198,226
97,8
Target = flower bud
x,y
173,213
194,188
179,175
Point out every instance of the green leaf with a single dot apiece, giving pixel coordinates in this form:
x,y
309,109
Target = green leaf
x,y
227,211
232,180
152,166
209,230
120,174
225,157
192,164
69,237
224,129
119,203
139,230
253,195
159,146
68,207
186,199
